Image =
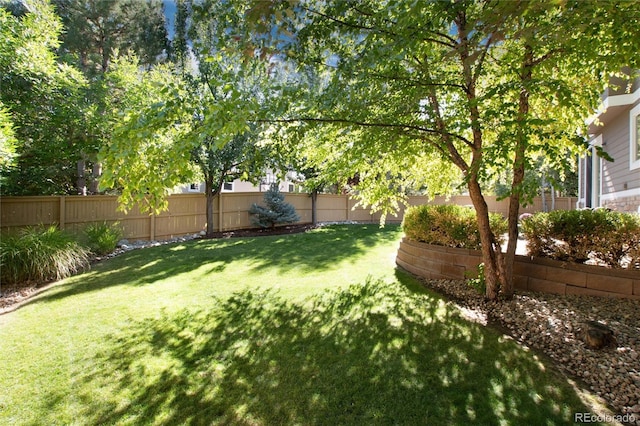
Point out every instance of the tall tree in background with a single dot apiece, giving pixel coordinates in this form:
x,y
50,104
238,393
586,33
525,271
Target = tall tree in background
x,y
180,52
96,29
96,32
38,102
483,85
198,126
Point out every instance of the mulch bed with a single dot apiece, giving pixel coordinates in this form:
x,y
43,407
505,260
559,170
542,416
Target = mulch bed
x,y
263,232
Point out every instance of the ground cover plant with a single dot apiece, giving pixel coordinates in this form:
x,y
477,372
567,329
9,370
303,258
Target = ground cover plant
x,y
314,328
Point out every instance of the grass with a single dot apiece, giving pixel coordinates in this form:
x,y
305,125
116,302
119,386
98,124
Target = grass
x,y
316,328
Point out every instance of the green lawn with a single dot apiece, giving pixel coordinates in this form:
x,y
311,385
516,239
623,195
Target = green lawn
x,y
316,328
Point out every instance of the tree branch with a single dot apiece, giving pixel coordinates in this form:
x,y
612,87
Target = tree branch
x,y
418,31
397,126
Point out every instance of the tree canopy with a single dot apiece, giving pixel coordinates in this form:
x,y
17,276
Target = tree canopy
x,y
486,86
37,101
186,125
386,96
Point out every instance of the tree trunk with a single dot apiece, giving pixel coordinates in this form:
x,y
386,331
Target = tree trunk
x,y
81,182
96,172
519,169
210,197
494,269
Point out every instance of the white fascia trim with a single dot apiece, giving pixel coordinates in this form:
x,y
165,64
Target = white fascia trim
x,y
597,141
620,194
614,101
620,100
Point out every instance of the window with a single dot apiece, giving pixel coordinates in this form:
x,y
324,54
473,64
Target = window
x,y
637,137
194,187
291,187
634,138
227,186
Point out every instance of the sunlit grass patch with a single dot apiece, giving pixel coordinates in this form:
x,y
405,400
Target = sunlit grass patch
x,y
237,332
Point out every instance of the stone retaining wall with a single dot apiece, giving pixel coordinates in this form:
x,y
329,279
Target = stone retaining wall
x,y
533,274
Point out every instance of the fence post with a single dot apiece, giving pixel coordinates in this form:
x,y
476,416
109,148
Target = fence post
x,y
346,197
63,212
220,212
152,226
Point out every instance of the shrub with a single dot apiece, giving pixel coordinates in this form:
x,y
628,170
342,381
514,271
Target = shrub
x,y
477,281
40,254
102,238
610,238
277,210
448,225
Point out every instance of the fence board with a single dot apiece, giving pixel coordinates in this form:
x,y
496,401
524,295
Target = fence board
x,y
186,213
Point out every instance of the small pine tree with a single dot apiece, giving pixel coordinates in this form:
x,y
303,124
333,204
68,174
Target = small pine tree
x,y
276,211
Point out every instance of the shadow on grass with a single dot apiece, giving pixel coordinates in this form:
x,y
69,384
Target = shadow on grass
x,y
371,354
311,251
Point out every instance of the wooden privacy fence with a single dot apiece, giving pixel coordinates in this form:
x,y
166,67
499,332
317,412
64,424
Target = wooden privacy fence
x,y
187,212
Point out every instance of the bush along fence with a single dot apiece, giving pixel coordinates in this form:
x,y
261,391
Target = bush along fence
x,y
187,212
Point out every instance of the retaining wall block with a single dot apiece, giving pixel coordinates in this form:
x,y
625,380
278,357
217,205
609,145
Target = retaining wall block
x,y
529,269
455,272
545,286
566,276
581,291
521,282
610,284
412,249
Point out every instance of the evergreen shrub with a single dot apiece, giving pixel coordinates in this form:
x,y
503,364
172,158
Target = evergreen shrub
x,y
276,211
610,238
448,225
40,254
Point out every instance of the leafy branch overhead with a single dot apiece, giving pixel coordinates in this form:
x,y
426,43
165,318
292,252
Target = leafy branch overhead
x,y
389,90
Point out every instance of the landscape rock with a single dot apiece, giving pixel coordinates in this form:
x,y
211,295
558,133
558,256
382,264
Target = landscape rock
x,y
597,335
555,324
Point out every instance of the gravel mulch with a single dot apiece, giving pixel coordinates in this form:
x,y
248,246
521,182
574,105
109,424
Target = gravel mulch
x,y
554,325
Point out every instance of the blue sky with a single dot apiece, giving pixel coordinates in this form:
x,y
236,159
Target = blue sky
x,y
170,13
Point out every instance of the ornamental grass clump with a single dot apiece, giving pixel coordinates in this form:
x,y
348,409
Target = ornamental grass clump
x,y
40,254
102,238
448,225
608,238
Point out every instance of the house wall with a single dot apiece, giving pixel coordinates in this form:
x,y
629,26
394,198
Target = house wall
x,y
620,183
239,185
616,184
615,141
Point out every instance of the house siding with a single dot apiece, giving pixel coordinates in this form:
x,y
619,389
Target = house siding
x,y
620,185
615,140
